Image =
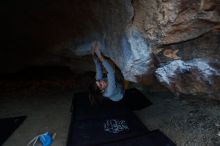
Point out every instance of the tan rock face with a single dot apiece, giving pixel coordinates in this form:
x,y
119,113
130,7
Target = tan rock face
x,y
208,5
173,21
185,36
196,71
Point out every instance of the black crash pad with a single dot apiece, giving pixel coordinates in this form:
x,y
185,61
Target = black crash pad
x,y
110,124
154,138
83,110
105,130
8,126
101,123
135,99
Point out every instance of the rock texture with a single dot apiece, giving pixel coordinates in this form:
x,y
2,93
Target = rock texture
x,y
174,21
184,36
196,70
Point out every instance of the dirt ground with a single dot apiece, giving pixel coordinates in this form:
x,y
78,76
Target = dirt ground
x,y
47,111
187,121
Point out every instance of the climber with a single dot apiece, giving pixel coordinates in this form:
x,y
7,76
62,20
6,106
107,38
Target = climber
x,y
103,87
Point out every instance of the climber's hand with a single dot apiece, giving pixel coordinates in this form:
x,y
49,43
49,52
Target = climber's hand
x,y
97,50
93,45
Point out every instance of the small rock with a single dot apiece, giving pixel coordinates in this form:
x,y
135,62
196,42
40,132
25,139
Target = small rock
x,y
217,124
218,133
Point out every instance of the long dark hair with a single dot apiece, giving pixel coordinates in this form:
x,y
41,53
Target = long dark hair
x,y
95,94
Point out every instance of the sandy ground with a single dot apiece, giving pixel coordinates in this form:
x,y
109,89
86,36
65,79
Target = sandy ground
x,y
188,122
45,112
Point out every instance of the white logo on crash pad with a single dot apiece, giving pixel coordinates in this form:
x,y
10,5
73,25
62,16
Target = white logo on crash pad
x,y
115,126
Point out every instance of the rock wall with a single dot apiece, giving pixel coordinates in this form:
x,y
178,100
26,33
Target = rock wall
x,y
191,67
174,21
121,40
184,39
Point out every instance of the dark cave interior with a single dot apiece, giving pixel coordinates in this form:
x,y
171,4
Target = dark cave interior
x,y
167,49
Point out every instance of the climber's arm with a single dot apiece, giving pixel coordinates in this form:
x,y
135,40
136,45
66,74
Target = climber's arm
x,y
110,73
